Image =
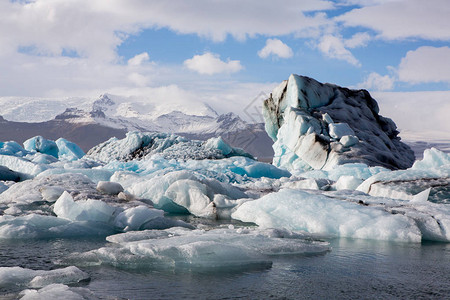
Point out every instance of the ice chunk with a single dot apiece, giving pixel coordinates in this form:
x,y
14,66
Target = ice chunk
x,y
40,158
139,145
433,171
347,182
49,188
8,175
108,187
218,143
432,219
348,140
135,218
421,197
27,168
217,249
317,214
182,192
327,119
12,148
433,159
338,130
83,210
39,144
58,291
68,150
39,278
34,226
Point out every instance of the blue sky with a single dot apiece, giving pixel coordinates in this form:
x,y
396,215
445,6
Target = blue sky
x,y
221,52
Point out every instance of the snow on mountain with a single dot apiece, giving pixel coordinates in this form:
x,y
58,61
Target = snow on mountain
x,y
109,115
28,109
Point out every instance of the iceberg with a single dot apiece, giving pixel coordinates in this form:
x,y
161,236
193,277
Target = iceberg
x,y
323,216
319,126
68,150
39,144
349,214
140,145
184,192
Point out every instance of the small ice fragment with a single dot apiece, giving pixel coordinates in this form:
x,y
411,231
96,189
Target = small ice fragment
x,y
110,188
348,140
421,197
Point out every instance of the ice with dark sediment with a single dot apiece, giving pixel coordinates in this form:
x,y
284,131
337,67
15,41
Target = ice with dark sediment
x,y
319,126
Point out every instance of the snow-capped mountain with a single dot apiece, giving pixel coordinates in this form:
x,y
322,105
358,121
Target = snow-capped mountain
x,y
111,115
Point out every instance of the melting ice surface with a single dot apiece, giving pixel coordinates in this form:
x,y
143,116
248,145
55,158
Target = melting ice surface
x,y
127,192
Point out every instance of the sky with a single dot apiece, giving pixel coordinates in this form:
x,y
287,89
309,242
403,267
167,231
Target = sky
x,y
229,53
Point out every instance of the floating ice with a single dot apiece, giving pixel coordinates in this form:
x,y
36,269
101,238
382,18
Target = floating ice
x,y
108,187
431,172
39,144
322,215
217,249
84,210
183,191
320,126
68,150
35,226
25,167
58,291
39,278
12,148
49,188
138,145
230,170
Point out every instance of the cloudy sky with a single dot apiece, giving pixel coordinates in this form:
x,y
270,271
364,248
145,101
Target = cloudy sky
x,y
228,52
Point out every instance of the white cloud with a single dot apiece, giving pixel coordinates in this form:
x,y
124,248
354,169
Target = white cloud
x,y
275,47
359,39
94,28
376,82
402,19
210,63
139,59
333,47
425,64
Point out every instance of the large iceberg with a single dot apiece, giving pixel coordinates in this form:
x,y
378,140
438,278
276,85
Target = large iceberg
x,y
319,126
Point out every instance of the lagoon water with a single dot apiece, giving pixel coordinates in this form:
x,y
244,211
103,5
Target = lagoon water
x,y
353,269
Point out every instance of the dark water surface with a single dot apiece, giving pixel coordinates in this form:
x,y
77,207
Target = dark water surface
x,y
354,269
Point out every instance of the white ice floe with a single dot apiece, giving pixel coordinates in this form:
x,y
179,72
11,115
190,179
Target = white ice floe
x,y
39,278
349,214
321,215
433,171
217,249
58,291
